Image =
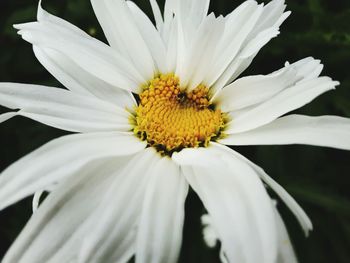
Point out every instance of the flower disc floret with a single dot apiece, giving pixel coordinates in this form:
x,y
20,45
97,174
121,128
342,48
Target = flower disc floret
x,y
171,119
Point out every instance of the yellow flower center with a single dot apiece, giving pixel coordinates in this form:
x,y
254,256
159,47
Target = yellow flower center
x,y
171,119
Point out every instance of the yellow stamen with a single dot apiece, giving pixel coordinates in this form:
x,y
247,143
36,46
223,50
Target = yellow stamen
x,y
170,119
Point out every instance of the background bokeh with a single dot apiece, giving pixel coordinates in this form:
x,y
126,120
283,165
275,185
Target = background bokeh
x,y
318,178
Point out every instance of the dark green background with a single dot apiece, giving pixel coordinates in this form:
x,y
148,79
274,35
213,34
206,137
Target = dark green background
x,y
317,177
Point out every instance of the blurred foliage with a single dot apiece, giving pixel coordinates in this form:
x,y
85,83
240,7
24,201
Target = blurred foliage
x,y
317,177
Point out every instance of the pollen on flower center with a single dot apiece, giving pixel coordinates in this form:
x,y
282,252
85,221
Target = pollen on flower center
x,y
171,119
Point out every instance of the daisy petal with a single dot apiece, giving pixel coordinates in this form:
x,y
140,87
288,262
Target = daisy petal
x,y
194,11
252,90
118,214
36,199
157,14
190,16
6,116
288,100
44,16
328,131
80,81
63,109
32,245
271,16
123,34
239,24
160,229
299,213
169,9
190,12
59,159
171,44
150,35
111,200
201,56
266,28
286,252
182,20
236,200
90,54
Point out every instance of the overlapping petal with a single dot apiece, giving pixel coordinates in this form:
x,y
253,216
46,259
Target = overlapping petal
x,y
288,100
124,35
54,234
151,37
60,159
245,31
236,200
77,80
200,56
328,131
239,24
6,116
264,29
190,15
252,90
286,252
63,109
158,17
116,218
89,54
160,229
298,212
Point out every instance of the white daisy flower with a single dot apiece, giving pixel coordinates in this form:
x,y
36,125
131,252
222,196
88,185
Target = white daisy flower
x,y
118,185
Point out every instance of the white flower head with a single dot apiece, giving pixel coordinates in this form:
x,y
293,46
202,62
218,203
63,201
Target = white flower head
x,y
152,112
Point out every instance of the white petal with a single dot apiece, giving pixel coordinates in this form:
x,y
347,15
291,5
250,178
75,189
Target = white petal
x,y
252,90
169,18
160,228
123,34
7,116
238,27
299,213
182,44
169,9
151,36
265,29
63,109
88,53
271,18
272,13
157,14
284,102
172,46
36,200
44,16
194,12
285,252
209,235
307,68
191,14
201,56
59,159
186,16
235,69
80,81
57,224
236,200
118,213
329,131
